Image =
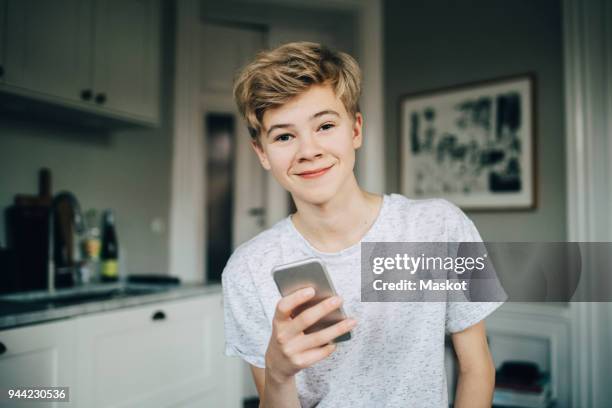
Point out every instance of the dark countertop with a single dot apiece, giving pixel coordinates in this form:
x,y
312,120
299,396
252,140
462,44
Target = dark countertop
x,y
20,309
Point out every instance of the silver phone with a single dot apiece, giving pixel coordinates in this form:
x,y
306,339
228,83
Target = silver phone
x,y
310,272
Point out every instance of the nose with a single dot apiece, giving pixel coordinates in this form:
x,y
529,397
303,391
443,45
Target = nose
x,y
308,148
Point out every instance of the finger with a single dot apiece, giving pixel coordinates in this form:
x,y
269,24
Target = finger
x,y
314,313
312,356
285,306
322,337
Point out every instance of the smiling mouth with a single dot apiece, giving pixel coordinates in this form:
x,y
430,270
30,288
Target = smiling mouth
x,y
316,173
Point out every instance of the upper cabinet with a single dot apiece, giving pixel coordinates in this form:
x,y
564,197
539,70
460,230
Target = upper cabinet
x,y
100,57
47,43
126,56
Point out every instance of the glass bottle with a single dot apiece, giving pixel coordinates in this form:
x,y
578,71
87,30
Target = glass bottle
x,y
109,254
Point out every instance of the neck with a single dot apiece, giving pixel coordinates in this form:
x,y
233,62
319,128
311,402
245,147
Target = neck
x,y
340,222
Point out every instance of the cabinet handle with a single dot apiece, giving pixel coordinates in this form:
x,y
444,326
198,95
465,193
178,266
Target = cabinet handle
x,y
100,98
2,348
86,94
159,315
1,71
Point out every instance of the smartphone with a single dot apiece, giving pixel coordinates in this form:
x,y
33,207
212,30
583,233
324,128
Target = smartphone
x,y
310,272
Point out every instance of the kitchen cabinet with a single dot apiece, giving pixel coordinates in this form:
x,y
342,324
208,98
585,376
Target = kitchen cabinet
x,y
39,355
164,354
96,56
47,47
126,56
155,356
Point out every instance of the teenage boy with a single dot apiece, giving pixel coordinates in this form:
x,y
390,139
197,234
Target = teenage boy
x,y
300,102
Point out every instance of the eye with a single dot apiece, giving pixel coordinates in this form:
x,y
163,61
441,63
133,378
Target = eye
x,y
283,137
327,126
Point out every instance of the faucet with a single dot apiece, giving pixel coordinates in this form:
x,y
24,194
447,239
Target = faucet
x,y
70,254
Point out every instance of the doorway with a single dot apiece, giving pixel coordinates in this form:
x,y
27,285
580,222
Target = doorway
x,y
236,184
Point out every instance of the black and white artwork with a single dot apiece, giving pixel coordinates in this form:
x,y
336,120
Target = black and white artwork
x,y
472,145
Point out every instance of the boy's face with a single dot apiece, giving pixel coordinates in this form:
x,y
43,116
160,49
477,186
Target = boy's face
x,y
312,131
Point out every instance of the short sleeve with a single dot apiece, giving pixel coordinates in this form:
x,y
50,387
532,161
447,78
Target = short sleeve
x,y
462,314
246,327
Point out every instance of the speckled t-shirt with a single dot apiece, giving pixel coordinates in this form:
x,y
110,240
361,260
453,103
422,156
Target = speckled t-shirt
x,y
396,355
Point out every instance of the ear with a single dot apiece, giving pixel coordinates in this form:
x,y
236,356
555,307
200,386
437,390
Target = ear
x,y
357,131
261,154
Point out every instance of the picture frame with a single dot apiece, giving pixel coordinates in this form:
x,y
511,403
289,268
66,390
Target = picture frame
x,y
472,144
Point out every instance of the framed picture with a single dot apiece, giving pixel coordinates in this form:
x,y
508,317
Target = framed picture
x,y
472,144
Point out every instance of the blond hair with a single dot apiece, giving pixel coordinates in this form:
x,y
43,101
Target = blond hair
x,y
277,75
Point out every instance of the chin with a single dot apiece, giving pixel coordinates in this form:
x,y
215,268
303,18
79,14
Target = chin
x,y
316,195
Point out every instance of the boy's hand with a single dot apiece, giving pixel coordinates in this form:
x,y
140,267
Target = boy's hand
x,y
290,350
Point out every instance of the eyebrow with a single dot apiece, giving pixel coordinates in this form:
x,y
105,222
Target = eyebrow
x,y
316,115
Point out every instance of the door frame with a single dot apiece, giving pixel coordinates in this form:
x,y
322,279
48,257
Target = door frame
x,y
217,102
588,113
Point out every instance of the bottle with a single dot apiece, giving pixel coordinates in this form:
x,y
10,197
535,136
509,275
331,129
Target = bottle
x,y
91,246
109,254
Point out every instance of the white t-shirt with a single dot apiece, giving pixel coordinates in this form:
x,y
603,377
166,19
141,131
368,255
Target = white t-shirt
x,y
396,355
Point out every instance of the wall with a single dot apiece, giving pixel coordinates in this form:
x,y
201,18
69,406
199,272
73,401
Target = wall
x,y
437,43
128,171
287,21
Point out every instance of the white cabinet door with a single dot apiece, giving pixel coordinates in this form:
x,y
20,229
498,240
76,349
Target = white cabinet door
x,y
126,56
155,356
99,56
47,47
39,355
